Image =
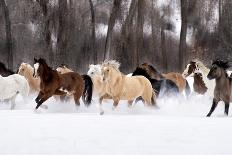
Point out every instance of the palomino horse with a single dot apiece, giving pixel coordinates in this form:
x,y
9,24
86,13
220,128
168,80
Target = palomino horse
x,y
201,83
223,89
121,87
63,69
26,70
11,86
53,83
4,71
161,87
177,78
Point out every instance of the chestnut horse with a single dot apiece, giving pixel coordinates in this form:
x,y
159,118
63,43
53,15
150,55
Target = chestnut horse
x,y
177,78
53,83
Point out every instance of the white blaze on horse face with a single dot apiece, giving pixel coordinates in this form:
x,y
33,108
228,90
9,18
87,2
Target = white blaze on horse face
x,y
36,67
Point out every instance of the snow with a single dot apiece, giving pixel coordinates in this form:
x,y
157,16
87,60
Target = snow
x,y
179,126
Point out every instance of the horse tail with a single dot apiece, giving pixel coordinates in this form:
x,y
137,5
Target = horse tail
x,y
153,99
88,90
187,88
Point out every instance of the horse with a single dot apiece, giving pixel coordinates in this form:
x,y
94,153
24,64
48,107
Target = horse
x,y
63,69
177,78
161,87
26,70
11,86
121,87
4,71
223,88
53,83
194,68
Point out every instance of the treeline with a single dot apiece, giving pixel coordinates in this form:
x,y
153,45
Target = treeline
x,y
79,32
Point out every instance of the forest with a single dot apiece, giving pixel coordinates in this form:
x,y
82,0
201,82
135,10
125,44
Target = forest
x,y
166,33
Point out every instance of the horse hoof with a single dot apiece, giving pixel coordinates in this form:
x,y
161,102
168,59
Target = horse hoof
x,y
102,113
44,106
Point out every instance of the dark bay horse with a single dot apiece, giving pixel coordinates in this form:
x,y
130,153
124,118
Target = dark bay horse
x,y
161,87
223,88
177,78
53,83
4,71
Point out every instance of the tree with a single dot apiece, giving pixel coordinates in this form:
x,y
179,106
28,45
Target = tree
x,y
183,33
139,31
113,16
8,33
62,36
93,32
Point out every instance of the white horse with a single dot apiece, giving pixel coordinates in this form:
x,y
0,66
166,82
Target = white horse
x,y
11,86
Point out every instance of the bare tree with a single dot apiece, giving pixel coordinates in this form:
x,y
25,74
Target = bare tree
x,y
62,38
113,16
8,33
183,33
139,31
93,32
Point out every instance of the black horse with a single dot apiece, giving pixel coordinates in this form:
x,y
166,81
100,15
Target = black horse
x,y
4,71
162,87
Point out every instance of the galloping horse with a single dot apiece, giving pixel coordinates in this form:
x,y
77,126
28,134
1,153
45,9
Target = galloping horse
x,y
53,83
201,83
223,89
161,87
4,71
177,78
121,87
26,70
11,86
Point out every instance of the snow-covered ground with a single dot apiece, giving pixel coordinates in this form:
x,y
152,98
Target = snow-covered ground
x,y
179,126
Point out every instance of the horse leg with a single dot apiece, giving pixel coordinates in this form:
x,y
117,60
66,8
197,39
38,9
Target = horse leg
x,y
77,97
214,105
130,103
39,96
227,105
115,104
42,100
13,102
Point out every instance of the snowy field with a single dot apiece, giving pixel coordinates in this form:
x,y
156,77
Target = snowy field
x,y
179,126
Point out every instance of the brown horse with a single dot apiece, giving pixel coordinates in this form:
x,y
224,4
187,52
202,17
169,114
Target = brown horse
x,y
223,88
53,83
177,78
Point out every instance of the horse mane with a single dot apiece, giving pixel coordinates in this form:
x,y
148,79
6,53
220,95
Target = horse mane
x,y
221,63
43,62
140,71
112,63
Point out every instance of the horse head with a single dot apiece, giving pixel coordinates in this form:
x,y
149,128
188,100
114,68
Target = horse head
x,y
40,67
94,70
218,68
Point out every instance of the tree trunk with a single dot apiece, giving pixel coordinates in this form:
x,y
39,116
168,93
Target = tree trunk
x,y
163,48
126,26
111,23
62,38
9,41
139,31
93,32
183,34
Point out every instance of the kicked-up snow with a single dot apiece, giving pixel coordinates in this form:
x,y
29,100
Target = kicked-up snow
x,y
178,127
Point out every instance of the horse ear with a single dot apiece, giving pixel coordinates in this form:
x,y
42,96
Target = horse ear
x,y
35,60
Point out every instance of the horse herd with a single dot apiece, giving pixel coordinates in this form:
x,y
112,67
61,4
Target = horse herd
x,y
105,81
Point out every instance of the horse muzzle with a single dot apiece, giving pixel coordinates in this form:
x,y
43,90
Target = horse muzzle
x,y
210,77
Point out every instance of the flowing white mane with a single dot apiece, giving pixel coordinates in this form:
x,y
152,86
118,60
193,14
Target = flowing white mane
x,y
112,63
